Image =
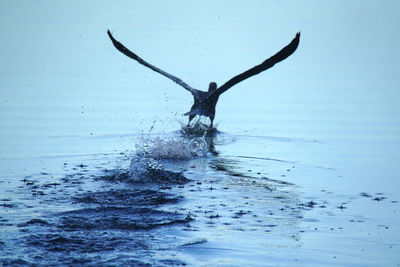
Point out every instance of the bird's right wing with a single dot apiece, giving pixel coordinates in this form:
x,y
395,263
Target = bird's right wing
x,y
132,55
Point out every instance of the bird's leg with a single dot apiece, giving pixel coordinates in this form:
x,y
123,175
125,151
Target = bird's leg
x,y
212,120
190,119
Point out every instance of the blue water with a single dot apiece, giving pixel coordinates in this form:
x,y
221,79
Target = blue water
x,y
303,171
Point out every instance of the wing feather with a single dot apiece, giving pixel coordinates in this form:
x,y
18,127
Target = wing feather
x,y
132,55
270,62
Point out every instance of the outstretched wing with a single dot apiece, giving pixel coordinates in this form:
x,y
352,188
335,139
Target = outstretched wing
x,y
132,55
270,62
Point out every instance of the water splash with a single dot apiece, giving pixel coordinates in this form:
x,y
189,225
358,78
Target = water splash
x,y
147,163
172,148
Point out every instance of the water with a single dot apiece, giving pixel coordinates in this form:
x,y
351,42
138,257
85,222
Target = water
x,y
303,169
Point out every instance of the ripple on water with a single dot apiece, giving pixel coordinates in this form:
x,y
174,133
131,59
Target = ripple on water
x,y
111,225
119,218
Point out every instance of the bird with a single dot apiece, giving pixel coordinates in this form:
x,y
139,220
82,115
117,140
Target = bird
x,y
206,101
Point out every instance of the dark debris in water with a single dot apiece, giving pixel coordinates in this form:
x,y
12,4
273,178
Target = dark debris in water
x,y
365,195
378,197
240,213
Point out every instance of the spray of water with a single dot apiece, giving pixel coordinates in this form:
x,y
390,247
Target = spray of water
x,y
172,148
152,151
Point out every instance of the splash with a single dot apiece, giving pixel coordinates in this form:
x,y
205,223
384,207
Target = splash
x,y
172,148
146,165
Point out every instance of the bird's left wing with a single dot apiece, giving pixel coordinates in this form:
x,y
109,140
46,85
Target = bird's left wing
x,y
268,63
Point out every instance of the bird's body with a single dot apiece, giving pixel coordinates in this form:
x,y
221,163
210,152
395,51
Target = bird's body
x,y
204,105
205,102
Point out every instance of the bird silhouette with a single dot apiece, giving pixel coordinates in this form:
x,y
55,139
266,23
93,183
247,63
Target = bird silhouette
x,y
206,101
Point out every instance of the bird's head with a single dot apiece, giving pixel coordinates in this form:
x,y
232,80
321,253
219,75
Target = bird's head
x,y
212,87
